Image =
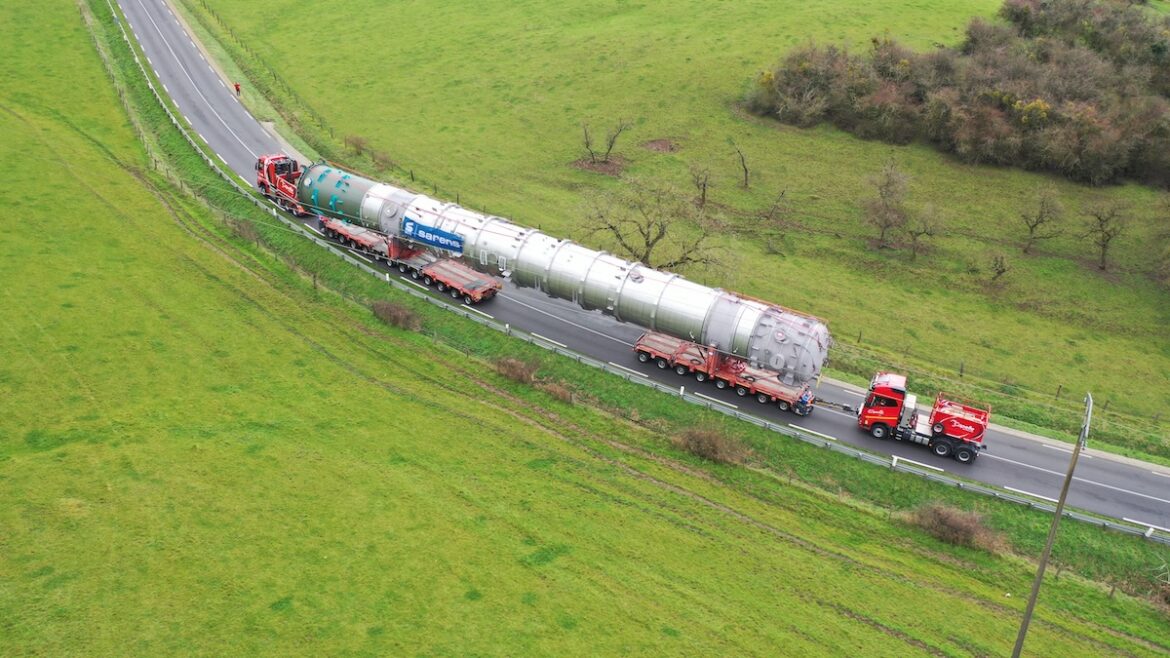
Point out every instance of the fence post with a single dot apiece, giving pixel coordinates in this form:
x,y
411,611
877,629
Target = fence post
x,y
1059,388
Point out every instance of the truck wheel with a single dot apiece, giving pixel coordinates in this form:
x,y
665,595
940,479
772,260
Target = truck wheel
x,y
661,363
700,376
942,448
468,300
762,398
681,370
784,405
643,357
427,280
414,274
879,431
741,391
719,383
964,455
442,287
937,429
402,268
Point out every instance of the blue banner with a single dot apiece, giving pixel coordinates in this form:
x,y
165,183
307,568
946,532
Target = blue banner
x,y
432,236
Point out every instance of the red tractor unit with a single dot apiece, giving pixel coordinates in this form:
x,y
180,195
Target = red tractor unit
x,y
951,429
727,371
277,176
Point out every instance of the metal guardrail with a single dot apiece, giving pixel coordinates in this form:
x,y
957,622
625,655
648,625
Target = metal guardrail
x,y
893,463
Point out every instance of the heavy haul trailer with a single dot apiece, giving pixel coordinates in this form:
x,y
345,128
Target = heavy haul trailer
x,y
446,274
726,370
951,429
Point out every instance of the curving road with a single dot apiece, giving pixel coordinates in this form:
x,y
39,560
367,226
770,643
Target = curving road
x,y
1105,484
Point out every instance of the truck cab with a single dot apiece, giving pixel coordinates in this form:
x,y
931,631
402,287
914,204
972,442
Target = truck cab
x,y
277,176
951,429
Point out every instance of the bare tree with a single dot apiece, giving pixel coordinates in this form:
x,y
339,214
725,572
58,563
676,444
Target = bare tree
x,y
588,139
612,136
926,225
999,267
1106,221
1042,219
655,226
775,224
886,210
357,143
742,162
701,179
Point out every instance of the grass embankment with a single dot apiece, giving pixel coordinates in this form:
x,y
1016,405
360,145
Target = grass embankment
x,y
202,454
491,110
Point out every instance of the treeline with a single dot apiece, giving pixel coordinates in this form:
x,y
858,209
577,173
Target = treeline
x,y
1079,87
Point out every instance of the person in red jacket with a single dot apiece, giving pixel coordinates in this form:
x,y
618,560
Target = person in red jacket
x,y
237,86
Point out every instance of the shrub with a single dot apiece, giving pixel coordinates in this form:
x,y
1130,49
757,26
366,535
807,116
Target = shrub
x,y
958,527
557,390
517,370
712,445
396,315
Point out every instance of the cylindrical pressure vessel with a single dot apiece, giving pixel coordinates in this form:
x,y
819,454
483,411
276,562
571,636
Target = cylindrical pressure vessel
x,y
790,343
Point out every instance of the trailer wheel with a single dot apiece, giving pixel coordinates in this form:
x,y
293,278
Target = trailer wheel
x,y
643,357
454,293
879,431
468,300
784,405
700,376
720,383
762,398
427,280
442,287
402,268
964,455
414,274
942,448
681,369
661,363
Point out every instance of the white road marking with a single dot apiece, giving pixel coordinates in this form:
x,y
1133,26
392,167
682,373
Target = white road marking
x,y
911,461
1148,525
192,81
1165,475
203,138
1092,482
549,340
471,308
726,404
803,429
568,322
358,254
834,411
1029,493
165,89
1067,451
246,181
311,228
221,158
221,83
415,283
640,374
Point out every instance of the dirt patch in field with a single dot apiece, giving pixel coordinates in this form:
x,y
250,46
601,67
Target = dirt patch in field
x,y
660,145
611,168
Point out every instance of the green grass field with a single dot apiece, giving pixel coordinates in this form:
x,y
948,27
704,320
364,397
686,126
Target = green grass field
x,y
489,103
202,454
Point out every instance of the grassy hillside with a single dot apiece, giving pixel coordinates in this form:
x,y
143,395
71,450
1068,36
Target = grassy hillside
x,y
201,454
489,105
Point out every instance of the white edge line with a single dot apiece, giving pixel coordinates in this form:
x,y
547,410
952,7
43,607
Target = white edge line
x,y
1029,493
1067,451
416,284
640,374
222,84
477,311
1165,475
549,340
204,139
1143,523
823,436
246,181
165,88
911,461
221,158
310,227
354,253
708,397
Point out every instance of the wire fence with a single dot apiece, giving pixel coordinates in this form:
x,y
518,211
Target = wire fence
x,y
894,463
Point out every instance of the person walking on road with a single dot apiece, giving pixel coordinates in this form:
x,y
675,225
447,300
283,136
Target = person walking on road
x,y
237,86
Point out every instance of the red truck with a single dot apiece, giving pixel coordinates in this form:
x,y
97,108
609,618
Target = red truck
x,y
446,274
951,429
727,371
277,176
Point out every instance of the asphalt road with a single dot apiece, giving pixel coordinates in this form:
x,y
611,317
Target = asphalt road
x,y
1105,484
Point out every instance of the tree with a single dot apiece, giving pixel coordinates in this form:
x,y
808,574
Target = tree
x,y
999,267
611,137
655,226
1042,219
742,162
701,179
774,221
926,225
1106,221
587,137
886,210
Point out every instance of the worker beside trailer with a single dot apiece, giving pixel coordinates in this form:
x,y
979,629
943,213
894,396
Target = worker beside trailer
x,y
951,429
726,370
